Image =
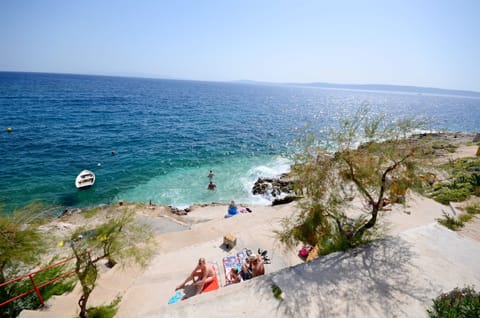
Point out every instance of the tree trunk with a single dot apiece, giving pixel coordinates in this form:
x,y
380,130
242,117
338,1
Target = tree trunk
x,y
87,278
82,303
371,223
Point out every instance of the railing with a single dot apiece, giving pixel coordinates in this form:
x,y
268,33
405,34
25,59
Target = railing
x,y
36,288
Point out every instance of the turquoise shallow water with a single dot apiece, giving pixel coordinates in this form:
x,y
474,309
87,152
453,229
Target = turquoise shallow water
x,y
167,135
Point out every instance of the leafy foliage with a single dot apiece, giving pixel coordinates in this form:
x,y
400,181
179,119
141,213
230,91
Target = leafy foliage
x,y
331,174
454,223
107,311
464,218
120,239
277,292
31,301
447,194
20,241
451,222
87,273
21,244
458,303
465,181
473,209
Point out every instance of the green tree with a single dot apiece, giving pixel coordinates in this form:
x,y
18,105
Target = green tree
x,y
365,156
87,274
21,244
120,239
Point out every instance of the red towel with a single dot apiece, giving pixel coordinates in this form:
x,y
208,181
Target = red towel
x,y
213,285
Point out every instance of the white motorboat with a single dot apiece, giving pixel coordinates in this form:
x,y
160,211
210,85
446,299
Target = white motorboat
x,y
85,179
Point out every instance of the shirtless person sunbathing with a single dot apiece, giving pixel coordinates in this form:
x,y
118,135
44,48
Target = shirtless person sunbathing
x,y
201,275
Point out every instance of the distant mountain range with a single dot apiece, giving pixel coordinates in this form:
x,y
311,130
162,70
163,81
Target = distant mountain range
x,y
375,87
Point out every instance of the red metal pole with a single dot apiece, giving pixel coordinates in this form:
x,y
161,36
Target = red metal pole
x,y
40,298
35,287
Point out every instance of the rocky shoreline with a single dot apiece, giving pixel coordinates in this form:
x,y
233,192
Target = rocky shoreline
x,y
281,190
278,190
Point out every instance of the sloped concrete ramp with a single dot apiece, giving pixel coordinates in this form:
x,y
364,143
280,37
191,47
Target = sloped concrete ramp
x,y
395,277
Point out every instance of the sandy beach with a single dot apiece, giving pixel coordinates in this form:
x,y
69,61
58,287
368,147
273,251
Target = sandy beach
x,y
394,277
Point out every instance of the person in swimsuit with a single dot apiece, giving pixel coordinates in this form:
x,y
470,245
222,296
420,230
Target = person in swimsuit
x,y
233,277
211,186
210,175
253,268
201,275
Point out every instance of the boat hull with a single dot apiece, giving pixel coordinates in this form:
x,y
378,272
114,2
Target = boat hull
x,y
85,180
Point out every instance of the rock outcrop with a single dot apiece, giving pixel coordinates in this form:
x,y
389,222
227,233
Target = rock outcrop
x,y
273,187
278,190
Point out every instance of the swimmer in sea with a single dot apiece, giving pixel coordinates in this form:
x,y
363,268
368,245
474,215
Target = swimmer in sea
x,y
211,186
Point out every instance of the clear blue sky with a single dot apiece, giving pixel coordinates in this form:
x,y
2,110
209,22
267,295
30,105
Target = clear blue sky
x,y
434,43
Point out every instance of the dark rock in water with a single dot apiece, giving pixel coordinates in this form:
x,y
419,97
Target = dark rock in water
x,y
273,187
285,200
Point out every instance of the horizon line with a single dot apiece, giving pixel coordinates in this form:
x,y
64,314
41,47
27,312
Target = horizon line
x,y
318,84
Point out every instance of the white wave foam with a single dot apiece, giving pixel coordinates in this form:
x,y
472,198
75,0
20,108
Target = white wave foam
x,y
234,178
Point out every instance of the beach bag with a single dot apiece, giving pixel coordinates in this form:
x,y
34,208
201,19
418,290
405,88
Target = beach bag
x,y
304,251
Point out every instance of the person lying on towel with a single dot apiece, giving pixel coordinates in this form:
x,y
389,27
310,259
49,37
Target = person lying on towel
x,y
201,275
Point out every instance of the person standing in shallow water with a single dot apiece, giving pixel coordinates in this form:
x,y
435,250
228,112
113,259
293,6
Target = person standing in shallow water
x,y
211,186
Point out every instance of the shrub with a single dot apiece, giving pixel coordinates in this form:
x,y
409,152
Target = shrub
x,y
446,195
464,218
466,181
107,311
277,292
473,209
450,222
333,245
458,303
31,301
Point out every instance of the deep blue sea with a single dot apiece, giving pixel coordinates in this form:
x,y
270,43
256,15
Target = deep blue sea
x,y
168,134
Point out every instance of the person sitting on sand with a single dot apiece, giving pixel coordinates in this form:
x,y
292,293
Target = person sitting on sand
x,y
257,265
253,268
233,277
211,186
201,275
232,209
